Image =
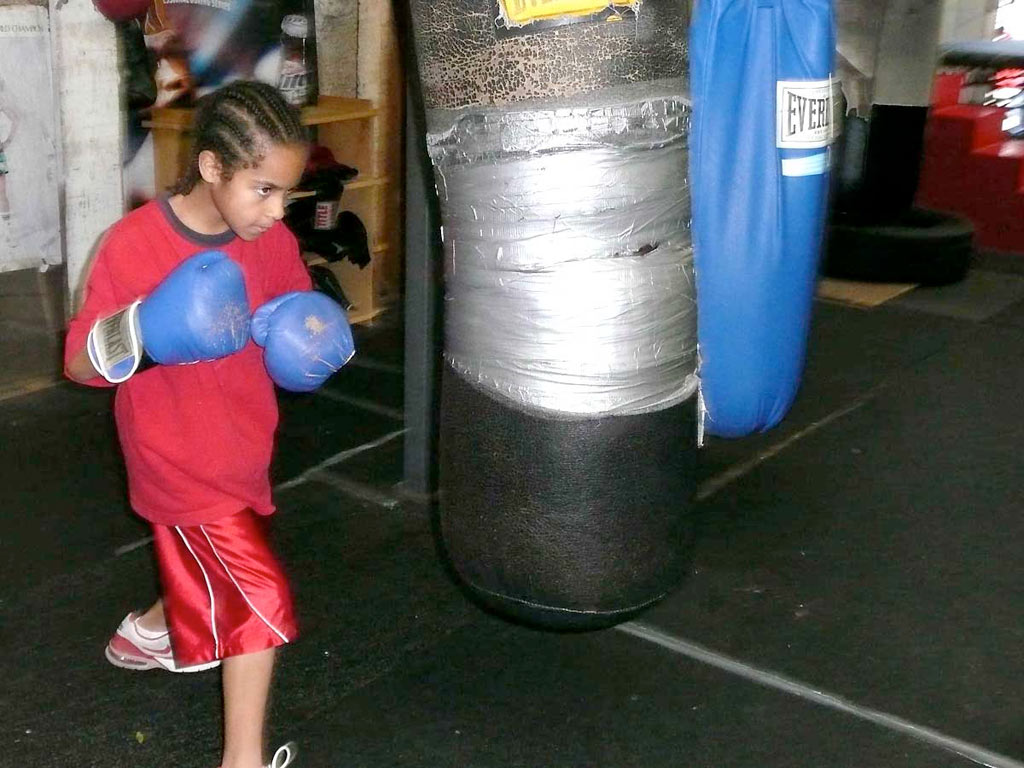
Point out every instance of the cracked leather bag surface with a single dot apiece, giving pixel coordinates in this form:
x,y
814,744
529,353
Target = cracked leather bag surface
x,y
464,62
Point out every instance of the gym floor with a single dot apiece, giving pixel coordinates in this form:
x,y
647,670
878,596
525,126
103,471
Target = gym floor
x,y
854,599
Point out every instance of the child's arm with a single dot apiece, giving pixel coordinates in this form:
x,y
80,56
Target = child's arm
x,y
306,339
99,299
305,335
198,312
79,368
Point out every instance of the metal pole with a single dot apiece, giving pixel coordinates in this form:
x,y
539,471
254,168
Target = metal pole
x,y
422,305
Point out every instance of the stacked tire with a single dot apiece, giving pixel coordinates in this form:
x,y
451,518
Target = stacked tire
x,y
876,234
915,246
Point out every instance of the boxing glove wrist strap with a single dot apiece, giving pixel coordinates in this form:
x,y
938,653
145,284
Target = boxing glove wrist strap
x,y
115,345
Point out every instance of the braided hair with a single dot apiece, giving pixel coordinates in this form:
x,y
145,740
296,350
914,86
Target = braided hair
x,y
238,123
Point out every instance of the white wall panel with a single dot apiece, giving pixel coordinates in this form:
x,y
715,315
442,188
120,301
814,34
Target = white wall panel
x,y
86,71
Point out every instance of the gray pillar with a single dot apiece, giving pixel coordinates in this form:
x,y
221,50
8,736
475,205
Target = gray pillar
x,y
422,307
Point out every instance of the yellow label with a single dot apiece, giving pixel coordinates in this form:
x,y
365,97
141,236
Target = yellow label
x,y
525,11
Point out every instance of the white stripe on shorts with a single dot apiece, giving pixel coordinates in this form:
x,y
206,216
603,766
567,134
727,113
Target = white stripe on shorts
x,y
245,597
209,589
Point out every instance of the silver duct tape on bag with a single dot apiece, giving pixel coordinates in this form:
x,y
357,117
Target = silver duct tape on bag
x,y
568,264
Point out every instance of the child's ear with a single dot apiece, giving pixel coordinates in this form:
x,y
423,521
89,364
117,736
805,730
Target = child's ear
x,y
209,166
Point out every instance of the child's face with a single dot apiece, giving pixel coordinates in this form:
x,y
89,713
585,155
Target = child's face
x,y
254,198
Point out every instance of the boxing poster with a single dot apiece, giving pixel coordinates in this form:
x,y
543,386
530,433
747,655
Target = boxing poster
x,y
29,205
186,48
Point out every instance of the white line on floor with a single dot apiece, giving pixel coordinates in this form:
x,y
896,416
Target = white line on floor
x,y
713,485
27,387
309,474
363,491
338,458
133,546
796,688
366,405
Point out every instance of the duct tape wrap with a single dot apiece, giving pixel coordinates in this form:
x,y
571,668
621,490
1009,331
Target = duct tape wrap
x,y
568,264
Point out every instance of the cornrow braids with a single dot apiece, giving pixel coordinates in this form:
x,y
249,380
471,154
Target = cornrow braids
x,y
239,122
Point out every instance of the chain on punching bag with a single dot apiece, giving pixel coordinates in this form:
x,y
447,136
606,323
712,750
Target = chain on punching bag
x,y
763,121
558,132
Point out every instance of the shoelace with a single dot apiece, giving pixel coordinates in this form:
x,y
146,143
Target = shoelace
x,y
284,756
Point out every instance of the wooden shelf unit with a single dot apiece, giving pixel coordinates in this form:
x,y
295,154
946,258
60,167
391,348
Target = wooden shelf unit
x,y
346,127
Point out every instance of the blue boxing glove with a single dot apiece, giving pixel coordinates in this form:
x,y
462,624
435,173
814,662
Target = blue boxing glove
x,y
306,338
199,312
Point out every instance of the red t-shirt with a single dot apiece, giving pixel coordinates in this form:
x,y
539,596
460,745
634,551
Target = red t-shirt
x,y
197,439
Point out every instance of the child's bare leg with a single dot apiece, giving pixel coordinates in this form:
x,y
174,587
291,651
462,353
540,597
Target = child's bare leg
x,y
153,620
246,689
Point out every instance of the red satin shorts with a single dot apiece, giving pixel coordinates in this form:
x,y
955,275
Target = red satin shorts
x,y
225,593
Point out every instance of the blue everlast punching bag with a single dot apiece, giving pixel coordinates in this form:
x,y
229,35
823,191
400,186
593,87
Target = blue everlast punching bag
x,y
762,85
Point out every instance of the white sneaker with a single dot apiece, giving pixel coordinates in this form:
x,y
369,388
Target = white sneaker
x,y
284,756
133,647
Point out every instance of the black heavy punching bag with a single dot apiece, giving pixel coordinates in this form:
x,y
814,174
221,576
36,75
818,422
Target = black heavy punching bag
x,y
558,135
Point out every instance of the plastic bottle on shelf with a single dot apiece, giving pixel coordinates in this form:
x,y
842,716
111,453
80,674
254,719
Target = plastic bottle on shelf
x,y
298,80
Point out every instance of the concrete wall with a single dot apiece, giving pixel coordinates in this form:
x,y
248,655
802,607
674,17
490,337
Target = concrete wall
x,y
337,39
907,52
858,27
965,20
887,48
85,69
